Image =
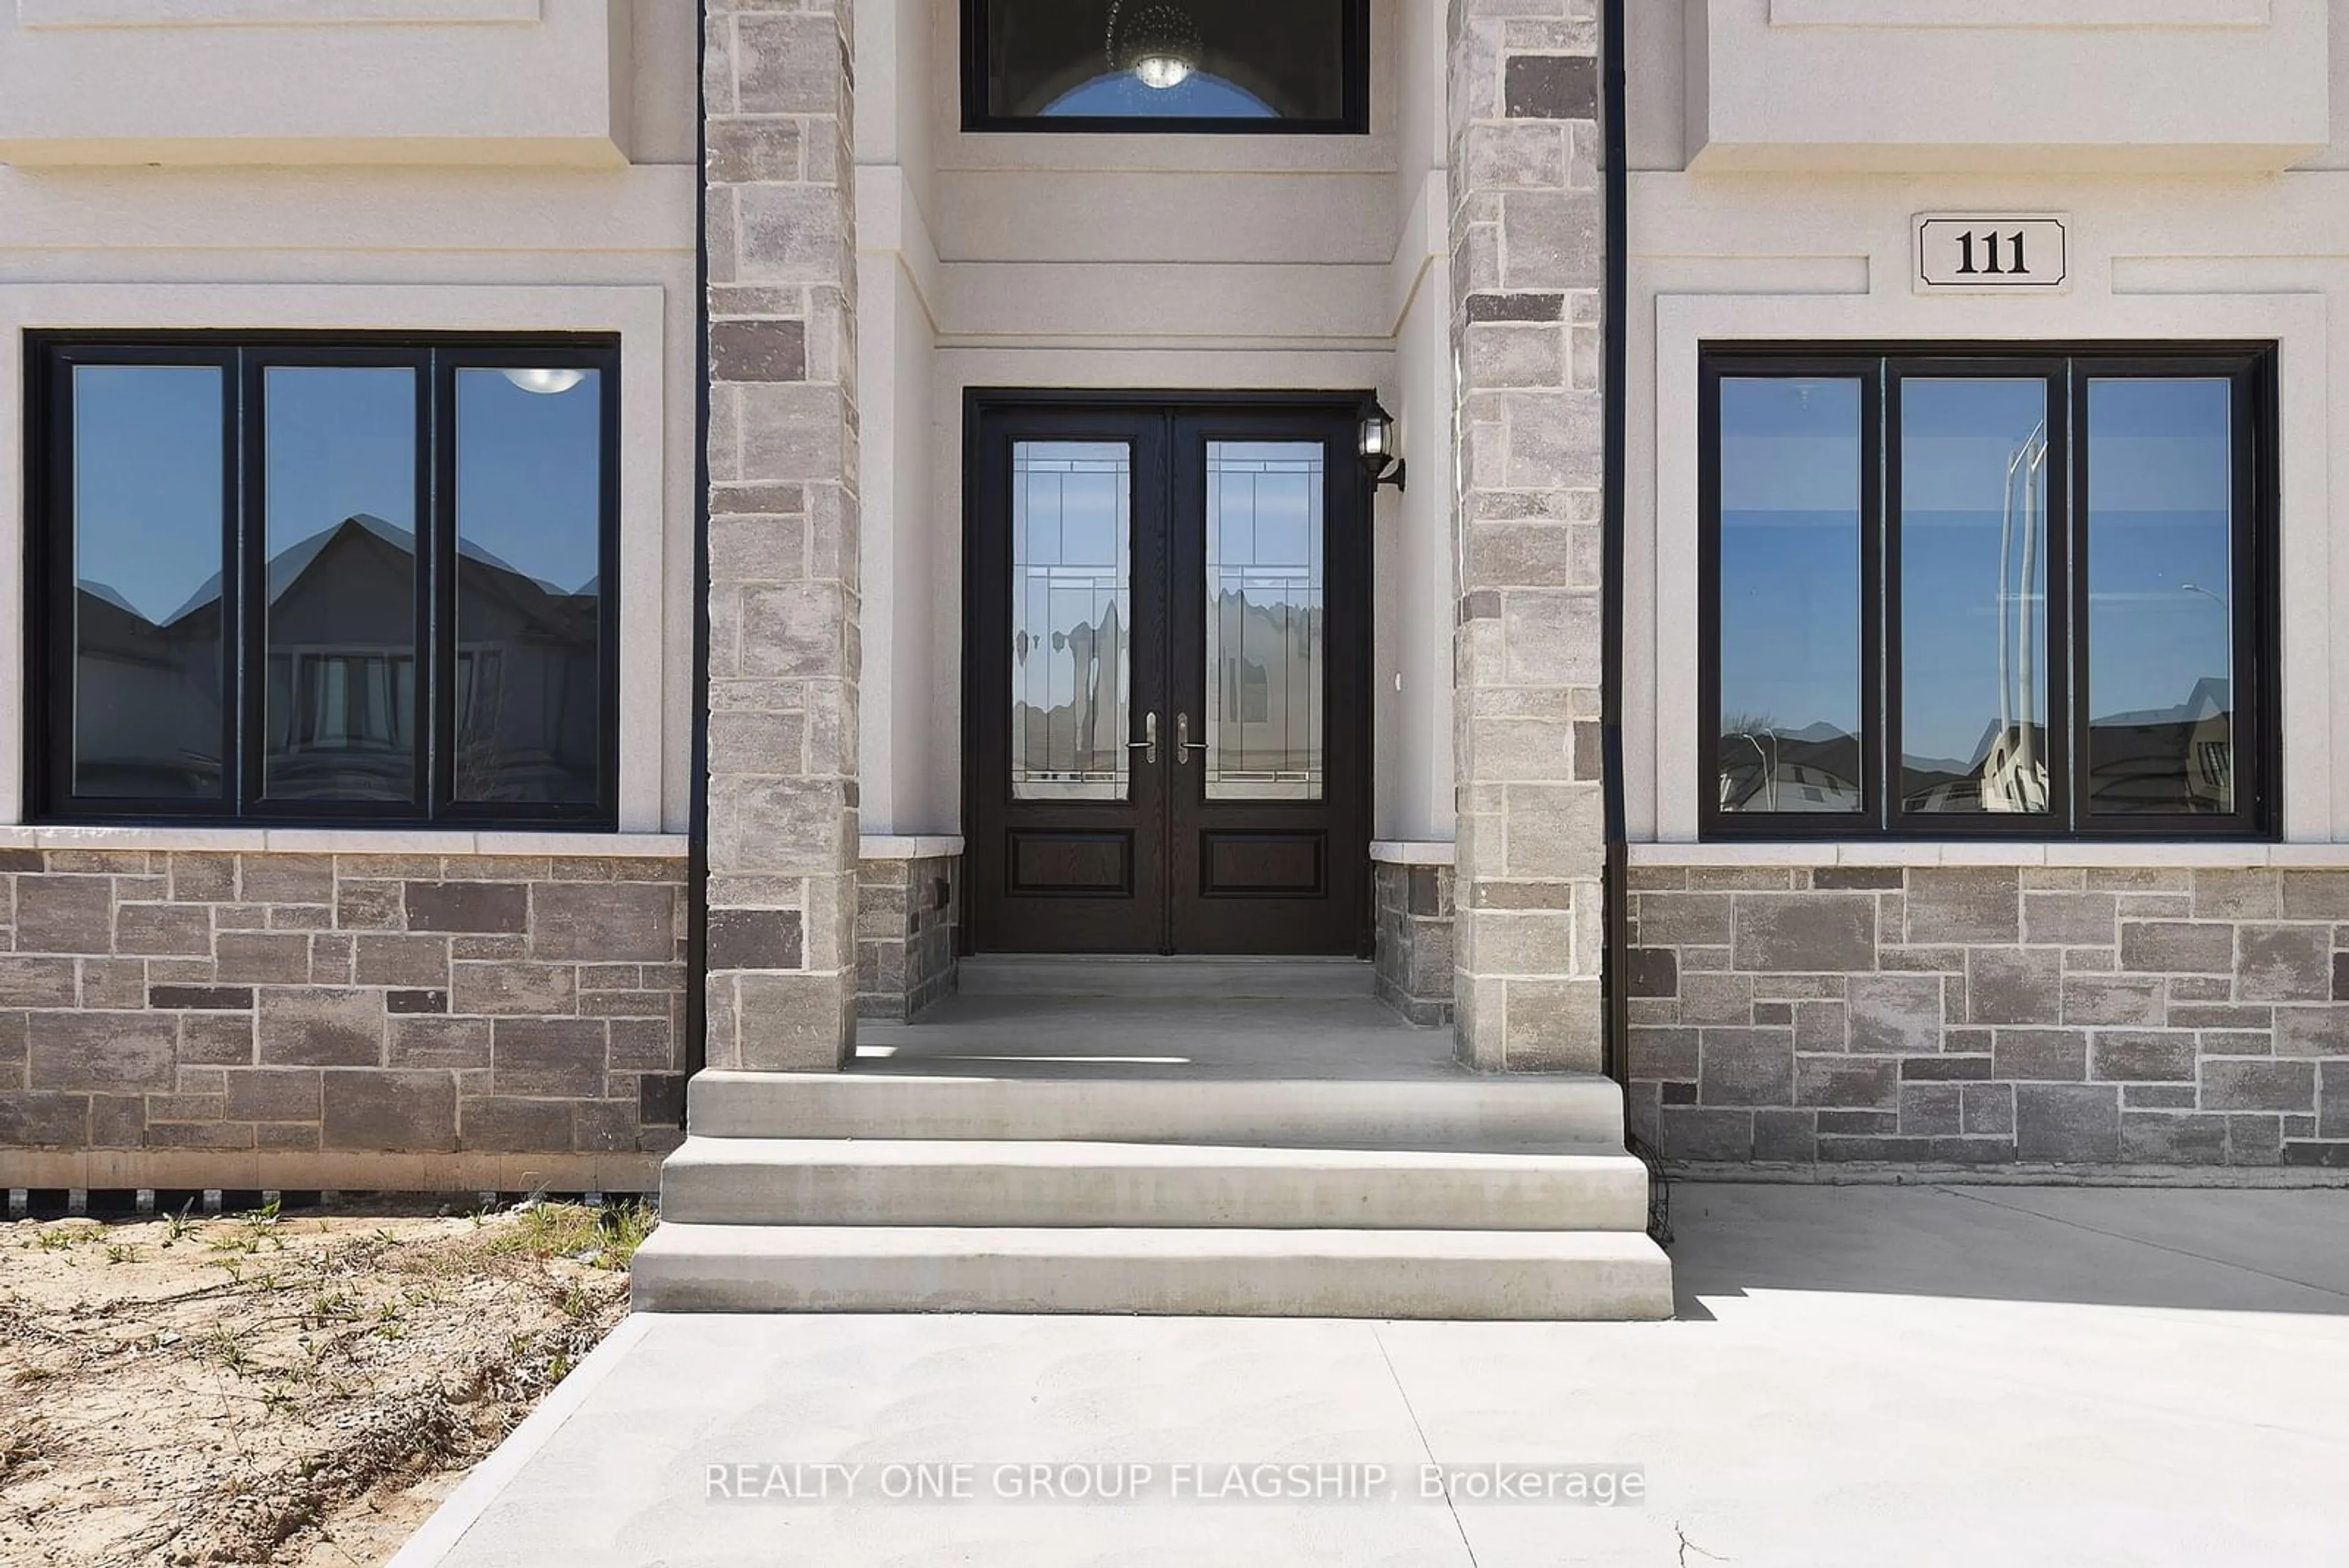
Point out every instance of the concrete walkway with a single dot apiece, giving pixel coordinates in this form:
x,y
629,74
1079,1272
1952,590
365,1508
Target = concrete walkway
x,y
1892,1377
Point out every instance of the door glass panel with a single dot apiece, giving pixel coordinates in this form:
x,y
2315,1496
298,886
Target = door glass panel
x,y
147,544
2161,596
529,702
339,708
1790,604
1974,596
1071,615
1266,633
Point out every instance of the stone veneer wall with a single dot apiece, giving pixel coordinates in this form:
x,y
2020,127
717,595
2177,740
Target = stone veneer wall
x,y
906,913
279,1020
1413,951
1527,236
1991,1015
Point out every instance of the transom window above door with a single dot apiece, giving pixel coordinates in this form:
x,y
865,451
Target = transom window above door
x,y
356,581
1167,65
2013,594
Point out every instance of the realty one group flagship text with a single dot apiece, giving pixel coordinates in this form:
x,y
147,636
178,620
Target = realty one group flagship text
x,y
1180,1481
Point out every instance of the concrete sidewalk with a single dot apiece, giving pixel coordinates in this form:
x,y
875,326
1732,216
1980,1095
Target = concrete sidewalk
x,y
1879,1375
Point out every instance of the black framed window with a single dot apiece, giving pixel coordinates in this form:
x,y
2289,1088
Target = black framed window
x,y
286,579
2010,593
1167,65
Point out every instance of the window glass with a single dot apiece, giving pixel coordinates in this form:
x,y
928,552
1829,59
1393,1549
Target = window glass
x,y
339,590
1071,618
529,701
148,494
1790,595
1234,60
1266,626
2161,596
1973,525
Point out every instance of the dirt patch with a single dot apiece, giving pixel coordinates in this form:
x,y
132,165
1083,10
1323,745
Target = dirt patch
x,y
279,1389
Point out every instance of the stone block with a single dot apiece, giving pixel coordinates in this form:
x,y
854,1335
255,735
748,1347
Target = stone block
x,y
1986,1109
2283,963
111,1052
2332,1098
320,1026
1964,904
65,915
1932,1110
624,920
2229,1084
216,1039
207,998
43,1119
1820,1026
1785,1136
2111,999
501,1124
548,1057
2045,1054
274,879
2314,895
1806,932
1684,920
2254,1140
535,989
1716,999
2067,1123
2082,920
1895,1013
389,1109
2178,946
2173,1138
1856,1083
1695,1133
2015,985
257,958
276,1094
38,981
755,939
792,1022
1746,1067
439,1042
2227,894
2142,1055
493,907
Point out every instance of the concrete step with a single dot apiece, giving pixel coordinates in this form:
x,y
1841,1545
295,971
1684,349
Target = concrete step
x,y
1005,1182
1458,1111
1492,1274
1295,979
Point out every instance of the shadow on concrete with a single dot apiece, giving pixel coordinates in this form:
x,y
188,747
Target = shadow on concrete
x,y
2241,1251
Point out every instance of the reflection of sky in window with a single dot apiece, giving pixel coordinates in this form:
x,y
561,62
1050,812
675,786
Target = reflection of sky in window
x,y
529,477
1070,523
341,444
148,482
1958,437
2159,581
1790,487
1123,95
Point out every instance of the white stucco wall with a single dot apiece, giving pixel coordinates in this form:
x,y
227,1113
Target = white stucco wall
x,y
1824,256
1157,263
340,247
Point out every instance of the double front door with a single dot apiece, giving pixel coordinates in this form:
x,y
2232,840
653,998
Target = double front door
x,y
1168,701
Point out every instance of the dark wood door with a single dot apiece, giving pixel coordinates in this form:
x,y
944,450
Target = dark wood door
x,y
1167,691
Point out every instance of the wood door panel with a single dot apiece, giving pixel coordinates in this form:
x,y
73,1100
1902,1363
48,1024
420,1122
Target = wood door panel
x,y
1257,865
1045,863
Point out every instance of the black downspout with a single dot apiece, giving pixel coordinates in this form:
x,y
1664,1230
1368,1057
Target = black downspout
x,y
697,852
1615,962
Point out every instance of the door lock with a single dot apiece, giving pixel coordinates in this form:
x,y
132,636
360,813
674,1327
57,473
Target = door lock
x,y
1148,744
1184,744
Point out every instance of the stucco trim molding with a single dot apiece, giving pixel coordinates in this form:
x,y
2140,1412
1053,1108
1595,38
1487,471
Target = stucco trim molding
x,y
1418,852
907,846
2021,13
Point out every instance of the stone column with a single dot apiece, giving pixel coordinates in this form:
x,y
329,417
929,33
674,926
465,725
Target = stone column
x,y
783,652
1526,260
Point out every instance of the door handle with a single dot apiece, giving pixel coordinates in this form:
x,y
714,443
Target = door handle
x,y
1184,744
1148,744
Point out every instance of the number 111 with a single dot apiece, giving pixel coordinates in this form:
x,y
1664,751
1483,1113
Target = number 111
x,y
1989,267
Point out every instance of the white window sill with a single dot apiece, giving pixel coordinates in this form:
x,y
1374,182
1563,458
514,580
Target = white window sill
x,y
907,846
349,841
2244,856
1412,852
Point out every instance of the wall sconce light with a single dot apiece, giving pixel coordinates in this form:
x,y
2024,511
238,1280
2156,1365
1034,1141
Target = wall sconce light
x,y
1376,447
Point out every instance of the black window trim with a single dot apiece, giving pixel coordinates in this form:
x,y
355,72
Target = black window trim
x,y
1354,120
2069,366
242,358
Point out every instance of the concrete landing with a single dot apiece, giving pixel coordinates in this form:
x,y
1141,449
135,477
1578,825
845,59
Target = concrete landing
x,y
1859,1377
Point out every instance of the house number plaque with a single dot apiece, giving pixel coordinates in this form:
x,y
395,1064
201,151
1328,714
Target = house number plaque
x,y
1982,252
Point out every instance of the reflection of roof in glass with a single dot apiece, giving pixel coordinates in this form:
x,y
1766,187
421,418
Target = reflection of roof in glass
x,y
1199,96
288,565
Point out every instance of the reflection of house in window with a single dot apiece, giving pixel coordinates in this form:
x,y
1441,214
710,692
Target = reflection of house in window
x,y
341,701
1761,768
1082,738
2177,758
1267,666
